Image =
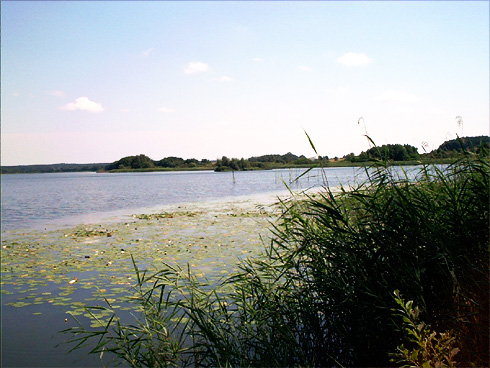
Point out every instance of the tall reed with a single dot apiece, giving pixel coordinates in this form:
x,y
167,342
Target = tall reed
x,y
323,292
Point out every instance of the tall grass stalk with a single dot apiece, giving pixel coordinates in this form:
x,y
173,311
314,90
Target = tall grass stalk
x,y
322,293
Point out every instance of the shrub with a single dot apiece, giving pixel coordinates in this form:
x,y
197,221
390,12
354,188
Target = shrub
x,y
428,348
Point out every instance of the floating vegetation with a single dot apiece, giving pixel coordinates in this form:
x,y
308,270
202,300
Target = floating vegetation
x,y
165,215
86,232
245,214
70,268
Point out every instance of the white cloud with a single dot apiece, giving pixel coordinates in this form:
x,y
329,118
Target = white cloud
x,y
224,78
126,110
16,94
147,52
84,104
353,59
305,68
396,96
166,110
196,67
56,93
258,59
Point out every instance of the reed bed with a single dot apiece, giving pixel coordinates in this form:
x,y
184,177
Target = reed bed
x,y
393,271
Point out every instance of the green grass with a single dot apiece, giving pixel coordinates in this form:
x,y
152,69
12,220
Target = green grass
x,y
323,292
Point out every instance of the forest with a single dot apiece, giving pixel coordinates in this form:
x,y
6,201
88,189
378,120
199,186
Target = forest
x,y
395,153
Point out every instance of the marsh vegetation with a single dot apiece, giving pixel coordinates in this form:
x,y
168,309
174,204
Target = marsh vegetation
x,y
391,271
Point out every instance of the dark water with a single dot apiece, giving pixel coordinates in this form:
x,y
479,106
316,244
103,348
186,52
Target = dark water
x,y
30,200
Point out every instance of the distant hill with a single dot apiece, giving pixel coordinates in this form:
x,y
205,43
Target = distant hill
x,y
468,143
53,168
390,152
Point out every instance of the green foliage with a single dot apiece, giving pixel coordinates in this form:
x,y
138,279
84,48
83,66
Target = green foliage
x,y
83,232
265,162
322,294
471,144
398,153
154,340
171,161
234,164
287,158
54,168
429,348
132,162
391,152
303,161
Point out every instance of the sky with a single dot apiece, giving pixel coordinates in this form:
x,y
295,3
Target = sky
x,y
92,82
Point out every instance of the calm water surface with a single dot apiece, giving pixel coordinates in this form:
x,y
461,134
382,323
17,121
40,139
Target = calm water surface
x,y
38,200
30,200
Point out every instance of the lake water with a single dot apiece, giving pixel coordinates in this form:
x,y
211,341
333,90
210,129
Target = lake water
x,y
36,200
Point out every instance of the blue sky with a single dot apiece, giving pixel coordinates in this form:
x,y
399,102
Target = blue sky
x,y
90,82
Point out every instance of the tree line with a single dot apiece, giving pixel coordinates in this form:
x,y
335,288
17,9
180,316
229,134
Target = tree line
x,y
262,162
144,162
53,168
389,152
397,152
141,162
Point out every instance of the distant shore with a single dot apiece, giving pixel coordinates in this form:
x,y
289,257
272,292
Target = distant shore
x,y
99,168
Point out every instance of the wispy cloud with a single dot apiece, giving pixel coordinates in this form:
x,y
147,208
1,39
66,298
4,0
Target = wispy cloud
x,y
166,110
224,78
258,59
56,93
305,68
147,52
196,67
353,59
396,96
83,104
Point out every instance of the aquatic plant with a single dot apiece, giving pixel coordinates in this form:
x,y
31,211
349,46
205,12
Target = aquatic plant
x,y
322,292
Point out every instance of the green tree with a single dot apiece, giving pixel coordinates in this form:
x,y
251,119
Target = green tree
x,y
131,162
171,162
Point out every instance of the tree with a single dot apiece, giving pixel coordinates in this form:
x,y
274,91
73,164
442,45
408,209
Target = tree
x,y
131,162
171,162
393,152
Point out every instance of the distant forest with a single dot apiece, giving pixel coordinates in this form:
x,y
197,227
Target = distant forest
x,y
398,152
389,152
54,168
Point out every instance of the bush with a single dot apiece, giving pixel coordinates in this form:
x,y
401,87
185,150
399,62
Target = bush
x,y
429,348
322,295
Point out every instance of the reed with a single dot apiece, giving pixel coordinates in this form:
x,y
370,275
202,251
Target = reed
x,y
323,292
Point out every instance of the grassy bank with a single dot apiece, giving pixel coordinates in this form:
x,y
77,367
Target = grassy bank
x,y
390,272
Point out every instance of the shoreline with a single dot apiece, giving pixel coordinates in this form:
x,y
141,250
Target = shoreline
x,y
49,275
116,216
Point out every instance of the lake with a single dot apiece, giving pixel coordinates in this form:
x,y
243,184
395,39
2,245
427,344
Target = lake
x,y
36,200
212,228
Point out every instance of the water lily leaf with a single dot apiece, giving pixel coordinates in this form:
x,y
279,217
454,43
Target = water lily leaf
x,y
19,304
